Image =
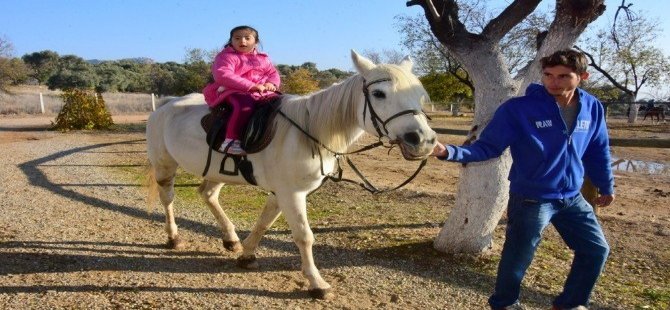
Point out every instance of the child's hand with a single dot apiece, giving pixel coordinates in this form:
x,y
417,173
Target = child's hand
x,y
270,87
257,88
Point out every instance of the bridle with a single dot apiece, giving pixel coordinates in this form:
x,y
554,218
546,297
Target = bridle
x,y
374,117
378,124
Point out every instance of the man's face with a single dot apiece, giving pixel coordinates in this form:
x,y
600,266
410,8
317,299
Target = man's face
x,y
561,81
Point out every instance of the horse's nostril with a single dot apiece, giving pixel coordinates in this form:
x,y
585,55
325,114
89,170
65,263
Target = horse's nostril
x,y
412,138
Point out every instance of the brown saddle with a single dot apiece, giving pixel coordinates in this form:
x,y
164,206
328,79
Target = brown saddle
x,y
258,132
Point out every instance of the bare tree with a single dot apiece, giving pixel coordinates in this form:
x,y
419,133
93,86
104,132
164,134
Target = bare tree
x,y
626,56
6,47
431,55
483,188
518,46
385,56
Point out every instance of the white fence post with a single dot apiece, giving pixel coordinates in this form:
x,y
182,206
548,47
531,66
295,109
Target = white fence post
x,y
153,102
41,103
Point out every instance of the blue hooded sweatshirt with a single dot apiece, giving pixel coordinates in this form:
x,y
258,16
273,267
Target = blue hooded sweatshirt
x,y
548,159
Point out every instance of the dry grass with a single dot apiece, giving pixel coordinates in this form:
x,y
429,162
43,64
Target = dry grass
x,y
25,99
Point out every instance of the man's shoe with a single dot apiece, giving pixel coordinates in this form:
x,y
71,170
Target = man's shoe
x,y
516,306
573,308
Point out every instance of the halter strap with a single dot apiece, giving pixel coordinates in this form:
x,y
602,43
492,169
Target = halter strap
x,y
374,117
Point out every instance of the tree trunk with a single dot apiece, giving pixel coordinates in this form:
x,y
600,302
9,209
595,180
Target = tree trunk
x,y
633,110
483,187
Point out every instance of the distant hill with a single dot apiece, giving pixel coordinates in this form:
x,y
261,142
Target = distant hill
x,y
139,60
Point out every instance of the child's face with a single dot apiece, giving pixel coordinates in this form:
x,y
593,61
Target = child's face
x,y
244,40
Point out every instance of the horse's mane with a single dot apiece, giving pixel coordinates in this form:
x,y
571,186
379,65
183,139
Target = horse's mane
x,y
330,115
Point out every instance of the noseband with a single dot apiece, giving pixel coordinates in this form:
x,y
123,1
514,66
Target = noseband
x,y
374,117
376,122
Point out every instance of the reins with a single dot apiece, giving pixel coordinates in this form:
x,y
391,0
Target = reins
x,y
376,121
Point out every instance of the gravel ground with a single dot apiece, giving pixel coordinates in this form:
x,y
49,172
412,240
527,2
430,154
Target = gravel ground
x,y
72,235
76,234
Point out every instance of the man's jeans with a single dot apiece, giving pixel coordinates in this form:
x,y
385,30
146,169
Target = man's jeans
x,y
575,221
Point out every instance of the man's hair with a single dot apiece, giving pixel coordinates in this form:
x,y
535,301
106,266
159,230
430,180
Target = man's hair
x,y
570,58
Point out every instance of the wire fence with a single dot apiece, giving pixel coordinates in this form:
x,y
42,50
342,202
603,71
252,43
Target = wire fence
x,y
50,103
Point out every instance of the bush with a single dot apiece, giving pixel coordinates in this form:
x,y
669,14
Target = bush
x,y
82,110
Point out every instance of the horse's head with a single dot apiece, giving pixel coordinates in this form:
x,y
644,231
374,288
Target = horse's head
x,y
392,109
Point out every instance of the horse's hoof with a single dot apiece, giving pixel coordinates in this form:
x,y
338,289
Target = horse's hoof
x,y
233,246
176,243
248,262
325,294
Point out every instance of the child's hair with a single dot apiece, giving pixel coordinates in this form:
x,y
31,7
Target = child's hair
x,y
243,27
570,58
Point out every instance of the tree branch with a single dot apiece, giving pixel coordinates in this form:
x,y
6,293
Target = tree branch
x,y
605,73
445,22
508,18
453,70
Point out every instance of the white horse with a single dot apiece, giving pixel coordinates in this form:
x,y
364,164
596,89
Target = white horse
x,y
383,100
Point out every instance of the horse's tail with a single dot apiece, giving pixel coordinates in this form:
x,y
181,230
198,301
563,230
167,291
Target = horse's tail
x,y
151,185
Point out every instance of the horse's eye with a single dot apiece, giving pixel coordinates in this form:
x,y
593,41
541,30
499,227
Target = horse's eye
x,y
378,94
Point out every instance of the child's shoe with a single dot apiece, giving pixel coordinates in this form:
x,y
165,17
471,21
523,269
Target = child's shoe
x,y
232,147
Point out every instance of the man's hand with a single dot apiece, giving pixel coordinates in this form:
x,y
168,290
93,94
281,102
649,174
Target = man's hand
x,y
440,151
604,200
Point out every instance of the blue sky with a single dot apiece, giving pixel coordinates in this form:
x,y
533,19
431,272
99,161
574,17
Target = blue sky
x,y
292,31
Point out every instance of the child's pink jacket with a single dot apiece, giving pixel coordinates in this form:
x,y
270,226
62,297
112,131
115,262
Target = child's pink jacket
x,y
238,72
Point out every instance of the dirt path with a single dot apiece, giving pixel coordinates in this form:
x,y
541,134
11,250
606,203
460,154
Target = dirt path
x,y
73,236
74,233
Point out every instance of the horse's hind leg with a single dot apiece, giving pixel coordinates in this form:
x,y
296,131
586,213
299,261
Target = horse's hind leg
x,y
165,175
210,193
250,244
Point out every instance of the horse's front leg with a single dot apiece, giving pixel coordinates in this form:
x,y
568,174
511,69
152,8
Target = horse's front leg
x,y
294,207
250,244
210,193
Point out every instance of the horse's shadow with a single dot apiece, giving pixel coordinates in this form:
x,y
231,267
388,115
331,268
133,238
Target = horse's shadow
x,y
143,260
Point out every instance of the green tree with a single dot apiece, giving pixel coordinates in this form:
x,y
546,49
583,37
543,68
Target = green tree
x,y
73,72
195,73
444,88
162,78
111,77
339,74
300,82
605,93
44,64
12,72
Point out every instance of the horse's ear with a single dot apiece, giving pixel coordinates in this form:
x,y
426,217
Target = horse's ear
x,y
362,64
407,63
